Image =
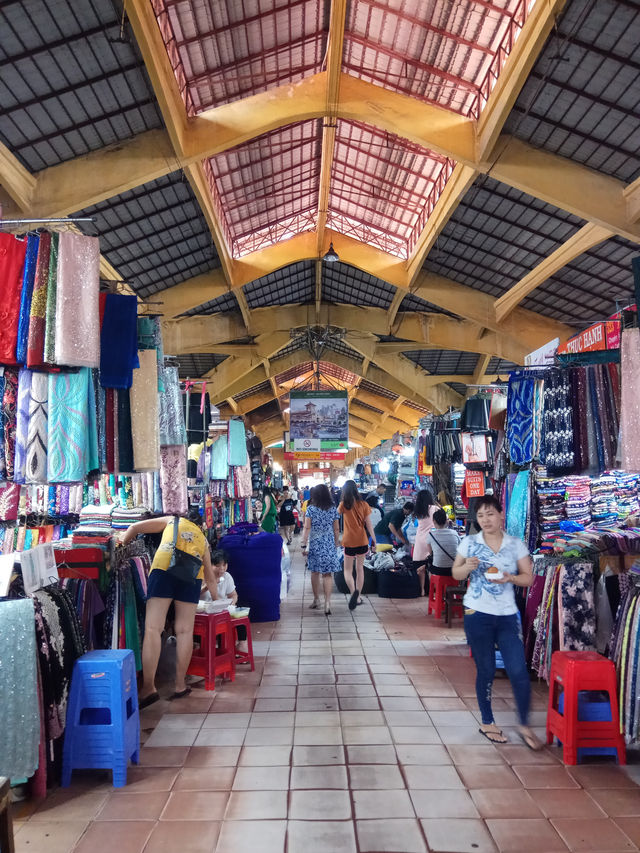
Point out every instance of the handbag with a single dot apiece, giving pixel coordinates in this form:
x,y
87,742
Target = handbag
x,y
183,566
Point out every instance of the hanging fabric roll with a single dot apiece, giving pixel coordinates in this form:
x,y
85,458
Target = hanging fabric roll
x,y
144,413
630,384
35,340
3,466
50,314
23,407
219,468
12,257
72,430
28,280
123,441
36,461
237,443
520,403
118,341
9,404
77,321
173,479
172,427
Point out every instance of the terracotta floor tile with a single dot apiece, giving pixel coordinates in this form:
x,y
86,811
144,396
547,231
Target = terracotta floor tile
x,y
470,836
226,721
184,836
276,736
382,804
366,734
569,803
429,754
324,776
460,735
317,735
371,777
390,836
525,835
408,718
362,718
261,779
316,755
50,837
205,779
164,756
220,737
128,836
618,802
265,756
443,703
631,827
171,737
213,756
272,719
65,805
141,779
514,754
595,836
438,778
414,734
196,805
544,776
317,718
322,836
359,703
446,804
481,755
500,803
127,806
257,805
239,836
490,776
602,776
316,805
371,754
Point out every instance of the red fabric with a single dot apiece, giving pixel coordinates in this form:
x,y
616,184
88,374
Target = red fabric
x,y
103,302
12,255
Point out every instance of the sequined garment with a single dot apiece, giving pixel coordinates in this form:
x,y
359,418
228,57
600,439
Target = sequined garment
x,y
28,279
9,403
50,315
173,479
172,428
520,404
77,301
20,729
144,413
35,340
12,257
36,461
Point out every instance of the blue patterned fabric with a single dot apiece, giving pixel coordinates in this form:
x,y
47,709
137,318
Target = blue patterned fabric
x,y
519,506
520,403
323,555
28,278
484,595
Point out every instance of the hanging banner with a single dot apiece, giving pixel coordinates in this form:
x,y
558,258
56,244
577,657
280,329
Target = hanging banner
x,y
601,336
323,456
474,482
208,511
320,418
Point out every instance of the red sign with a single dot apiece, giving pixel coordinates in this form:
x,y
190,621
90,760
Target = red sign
x,y
601,336
208,511
474,482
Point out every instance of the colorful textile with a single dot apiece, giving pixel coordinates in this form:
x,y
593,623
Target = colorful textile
x,y
172,428
237,443
77,323
118,341
520,403
12,257
36,461
576,608
519,506
150,337
22,424
219,469
144,413
173,479
3,467
28,280
50,314
35,340
72,431
9,404
630,384
124,442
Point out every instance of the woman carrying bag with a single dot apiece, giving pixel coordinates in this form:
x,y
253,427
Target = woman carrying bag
x,y
358,532
179,566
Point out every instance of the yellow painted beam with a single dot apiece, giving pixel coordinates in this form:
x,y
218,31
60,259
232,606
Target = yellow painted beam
x,y
631,195
192,293
196,334
586,238
396,302
18,182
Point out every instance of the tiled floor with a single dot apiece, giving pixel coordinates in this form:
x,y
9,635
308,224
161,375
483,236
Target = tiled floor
x,y
355,733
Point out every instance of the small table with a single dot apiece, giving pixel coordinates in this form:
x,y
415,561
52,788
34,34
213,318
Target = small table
x,y
453,598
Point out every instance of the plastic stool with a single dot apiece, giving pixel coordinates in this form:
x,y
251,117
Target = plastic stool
x,y
103,722
438,585
209,659
453,596
243,657
575,672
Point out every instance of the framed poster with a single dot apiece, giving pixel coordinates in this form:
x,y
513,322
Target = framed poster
x,y
474,448
319,421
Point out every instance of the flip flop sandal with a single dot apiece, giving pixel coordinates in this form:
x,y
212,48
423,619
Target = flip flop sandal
x,y
531,741
182,693
314,606
496,737
148,700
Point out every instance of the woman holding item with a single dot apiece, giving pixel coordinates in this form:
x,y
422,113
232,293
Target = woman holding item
x,y
287,518
358,532
268,520
164,587
425,509
495,562
322,532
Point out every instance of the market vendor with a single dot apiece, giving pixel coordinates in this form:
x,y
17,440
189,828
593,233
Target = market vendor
x,y
390,527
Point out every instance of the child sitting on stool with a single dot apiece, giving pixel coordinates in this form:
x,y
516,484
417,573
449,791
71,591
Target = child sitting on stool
x,y
225,588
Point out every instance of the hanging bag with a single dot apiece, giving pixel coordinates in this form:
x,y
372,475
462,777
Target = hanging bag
x,y
183,566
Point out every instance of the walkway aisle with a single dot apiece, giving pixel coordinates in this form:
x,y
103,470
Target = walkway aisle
x,y
357,732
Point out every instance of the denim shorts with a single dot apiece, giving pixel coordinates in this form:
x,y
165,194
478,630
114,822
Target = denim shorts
x,y
162,584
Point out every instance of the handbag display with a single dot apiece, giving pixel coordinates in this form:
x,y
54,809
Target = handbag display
x,y
183,566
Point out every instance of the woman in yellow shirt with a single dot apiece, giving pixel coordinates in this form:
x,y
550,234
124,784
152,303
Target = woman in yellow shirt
x,y
163,588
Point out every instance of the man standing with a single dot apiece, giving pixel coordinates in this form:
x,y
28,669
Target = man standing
x,y
378,493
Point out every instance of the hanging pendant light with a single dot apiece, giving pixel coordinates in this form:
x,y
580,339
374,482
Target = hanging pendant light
x,y
331,257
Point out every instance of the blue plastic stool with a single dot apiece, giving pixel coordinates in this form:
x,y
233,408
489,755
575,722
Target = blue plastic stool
x,y
593,707
103,722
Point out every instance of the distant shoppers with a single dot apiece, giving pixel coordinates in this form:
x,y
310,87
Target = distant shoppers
x,y
426,508
287,518
268,520
390,527
358,531
322,532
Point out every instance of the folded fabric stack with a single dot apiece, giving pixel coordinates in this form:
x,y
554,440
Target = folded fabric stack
x,y
578,503
123,517
550,492
626,489
604,506
95,525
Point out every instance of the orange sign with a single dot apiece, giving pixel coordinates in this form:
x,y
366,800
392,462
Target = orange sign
x,y
601,336
474,482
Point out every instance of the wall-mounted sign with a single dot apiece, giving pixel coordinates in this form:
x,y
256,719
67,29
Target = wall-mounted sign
x,y
319,416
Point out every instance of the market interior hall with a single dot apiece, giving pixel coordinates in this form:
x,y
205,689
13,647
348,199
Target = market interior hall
x,y
250,249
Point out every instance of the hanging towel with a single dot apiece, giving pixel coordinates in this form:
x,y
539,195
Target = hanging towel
x,y
124,442
50,314
35,340
77,321
36,462
22,424
72,434
28,279
12,257
237,443
118,341
144,413
172,427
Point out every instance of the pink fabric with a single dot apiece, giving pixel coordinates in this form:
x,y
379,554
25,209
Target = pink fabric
x,y
630,409
77,301
173,479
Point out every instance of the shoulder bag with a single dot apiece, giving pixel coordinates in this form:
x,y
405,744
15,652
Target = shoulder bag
x,y
183,566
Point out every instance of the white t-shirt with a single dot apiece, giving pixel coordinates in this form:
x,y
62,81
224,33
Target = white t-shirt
x,y
483,595
226,586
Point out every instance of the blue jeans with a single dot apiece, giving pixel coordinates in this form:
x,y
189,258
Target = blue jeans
x,y
381,539
485,631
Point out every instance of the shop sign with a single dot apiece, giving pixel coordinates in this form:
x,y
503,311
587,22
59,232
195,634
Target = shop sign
x,y
474,482
323,456
208,511
601,336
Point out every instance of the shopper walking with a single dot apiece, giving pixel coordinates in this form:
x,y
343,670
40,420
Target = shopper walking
x,y
358,532
425,509
286,517
495,563
322,533
268,520
179,566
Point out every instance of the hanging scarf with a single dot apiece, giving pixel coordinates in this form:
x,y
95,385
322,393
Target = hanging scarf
x,y
520,403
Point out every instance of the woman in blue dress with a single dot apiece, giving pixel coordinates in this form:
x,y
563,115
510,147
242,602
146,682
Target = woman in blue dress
x,y
322,532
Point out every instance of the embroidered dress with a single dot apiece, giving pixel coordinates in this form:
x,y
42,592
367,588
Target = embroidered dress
x,y
50,314
173,479
323,555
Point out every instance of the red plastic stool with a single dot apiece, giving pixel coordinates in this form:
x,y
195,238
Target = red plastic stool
x,y
574,672
210,659
438,585
243,657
